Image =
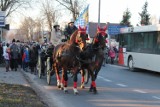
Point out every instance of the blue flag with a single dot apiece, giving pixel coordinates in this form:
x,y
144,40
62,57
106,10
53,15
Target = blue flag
x,y
83,19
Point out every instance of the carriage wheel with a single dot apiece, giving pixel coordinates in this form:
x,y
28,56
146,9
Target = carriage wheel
x,y
48,78
48,71
86,76
39,67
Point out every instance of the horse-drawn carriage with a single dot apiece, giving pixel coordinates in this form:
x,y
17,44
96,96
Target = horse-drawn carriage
x,y
74,55
44,65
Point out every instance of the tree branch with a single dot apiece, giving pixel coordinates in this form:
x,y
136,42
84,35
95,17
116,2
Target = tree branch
x,y
64,5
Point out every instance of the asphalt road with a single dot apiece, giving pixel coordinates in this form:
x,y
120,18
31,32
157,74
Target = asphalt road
x,y
116,85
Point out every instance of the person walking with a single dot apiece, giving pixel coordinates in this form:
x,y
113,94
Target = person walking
x,y
112,55
105,55
14,55
25,59
70,29
7,57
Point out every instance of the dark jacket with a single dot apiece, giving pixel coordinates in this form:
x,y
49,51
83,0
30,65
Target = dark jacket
x,y
69,31
14,51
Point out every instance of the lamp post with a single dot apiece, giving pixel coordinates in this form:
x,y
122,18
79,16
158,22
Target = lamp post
x,y
99,14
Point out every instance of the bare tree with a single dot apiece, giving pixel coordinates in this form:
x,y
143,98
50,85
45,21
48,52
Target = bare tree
x,y
11,6
32,29
27,27
39,25
74,6
49,14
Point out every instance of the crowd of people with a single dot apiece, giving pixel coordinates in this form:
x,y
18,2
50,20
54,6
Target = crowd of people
x,y
19,55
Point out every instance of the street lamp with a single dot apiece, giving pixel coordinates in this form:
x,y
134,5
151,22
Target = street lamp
x,y
99,9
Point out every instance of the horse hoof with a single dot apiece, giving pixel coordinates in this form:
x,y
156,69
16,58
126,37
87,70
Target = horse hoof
x,y
76,93
65,90
94,90
59,86
62,88
82,86
90,89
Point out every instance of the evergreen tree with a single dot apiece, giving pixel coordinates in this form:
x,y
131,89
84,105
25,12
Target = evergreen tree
x,y
144,15
126,18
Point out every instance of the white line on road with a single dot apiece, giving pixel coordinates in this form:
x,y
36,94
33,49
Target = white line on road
x,y
107,80
156,97
122,85
139,91
100,77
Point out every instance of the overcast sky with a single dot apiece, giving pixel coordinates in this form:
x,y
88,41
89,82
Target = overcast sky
x,y
111,11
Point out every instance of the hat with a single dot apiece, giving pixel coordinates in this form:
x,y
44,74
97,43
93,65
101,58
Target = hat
x,y
13,40
71,21
55,24
18,40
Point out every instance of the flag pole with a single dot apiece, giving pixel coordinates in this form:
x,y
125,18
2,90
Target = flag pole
x,y
99,9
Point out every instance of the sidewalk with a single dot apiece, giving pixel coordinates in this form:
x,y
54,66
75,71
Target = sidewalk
x,y
17,91
12,77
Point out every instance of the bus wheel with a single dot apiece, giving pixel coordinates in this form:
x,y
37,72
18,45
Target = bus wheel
x,y
130,64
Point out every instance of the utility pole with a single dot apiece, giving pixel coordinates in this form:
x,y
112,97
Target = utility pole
x,y
99,12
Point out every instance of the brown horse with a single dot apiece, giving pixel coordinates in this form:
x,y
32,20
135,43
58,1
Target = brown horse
x,y
65,57
93,56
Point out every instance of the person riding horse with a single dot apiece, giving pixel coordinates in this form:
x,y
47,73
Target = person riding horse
x,y
56,34
70,29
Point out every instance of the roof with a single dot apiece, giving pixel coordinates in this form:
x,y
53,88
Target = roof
x,y
147,28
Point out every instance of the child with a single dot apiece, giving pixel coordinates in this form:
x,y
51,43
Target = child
x,y
7,57
25,58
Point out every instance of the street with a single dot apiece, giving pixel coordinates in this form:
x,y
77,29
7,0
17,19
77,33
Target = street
x,y
116,85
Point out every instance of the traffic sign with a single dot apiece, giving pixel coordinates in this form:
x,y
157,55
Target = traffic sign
x,y
2,18
114,29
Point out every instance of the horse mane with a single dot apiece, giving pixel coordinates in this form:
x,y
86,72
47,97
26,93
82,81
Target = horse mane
x,y
73,37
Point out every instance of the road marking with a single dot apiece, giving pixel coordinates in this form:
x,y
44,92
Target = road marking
x,y
100,77
140,91
122,85
156,97
107,80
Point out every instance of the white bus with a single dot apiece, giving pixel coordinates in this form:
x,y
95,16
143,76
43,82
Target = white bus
x,y
141,47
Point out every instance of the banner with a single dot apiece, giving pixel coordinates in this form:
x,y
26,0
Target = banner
x,y
83,19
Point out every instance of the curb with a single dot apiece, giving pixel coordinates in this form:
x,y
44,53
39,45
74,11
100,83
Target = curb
x,y
39,90
36,89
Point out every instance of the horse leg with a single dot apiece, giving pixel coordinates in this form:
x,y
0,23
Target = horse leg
x,y
93,83
64,80
75,82
58,77
82,79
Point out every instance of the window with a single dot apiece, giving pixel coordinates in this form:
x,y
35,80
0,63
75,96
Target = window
x,y
143,42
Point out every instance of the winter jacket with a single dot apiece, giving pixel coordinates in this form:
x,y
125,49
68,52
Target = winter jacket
x,y
25,57
112,53
14,51
69,31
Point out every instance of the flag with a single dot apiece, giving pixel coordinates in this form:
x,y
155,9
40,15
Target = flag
x,y
83,19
